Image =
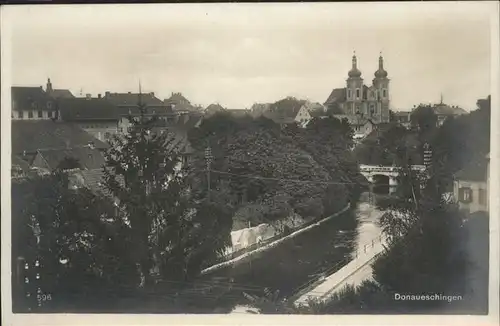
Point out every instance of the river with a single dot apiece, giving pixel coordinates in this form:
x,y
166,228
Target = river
x,y
285,269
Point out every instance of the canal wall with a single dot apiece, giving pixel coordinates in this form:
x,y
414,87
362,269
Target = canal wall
x,y
260,248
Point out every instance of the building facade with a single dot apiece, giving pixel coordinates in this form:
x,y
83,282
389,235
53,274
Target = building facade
x,y
96,116
128,106
356,98
471,187
32,104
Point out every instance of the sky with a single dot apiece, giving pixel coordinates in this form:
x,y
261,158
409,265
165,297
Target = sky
x,y
240,54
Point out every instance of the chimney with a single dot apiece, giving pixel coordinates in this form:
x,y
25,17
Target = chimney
x,y
107,94
88,96
152,93
99,96
130,92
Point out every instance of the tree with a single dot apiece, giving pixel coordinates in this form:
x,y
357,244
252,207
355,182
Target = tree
x,y
73,235
174,229
277,167
426,238
424,120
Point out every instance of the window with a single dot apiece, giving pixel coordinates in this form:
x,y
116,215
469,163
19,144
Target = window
x,y
465,194
20,114
49,105
349,93
384,93
40,114
30,114
358,93
482,196
49,114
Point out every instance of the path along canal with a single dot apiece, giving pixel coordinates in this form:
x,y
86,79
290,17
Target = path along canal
x,y
304,258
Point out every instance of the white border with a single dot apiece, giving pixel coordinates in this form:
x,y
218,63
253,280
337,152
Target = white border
x,y
66,319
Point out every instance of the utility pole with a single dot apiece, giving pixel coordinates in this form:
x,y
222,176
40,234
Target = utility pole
x,y
209,159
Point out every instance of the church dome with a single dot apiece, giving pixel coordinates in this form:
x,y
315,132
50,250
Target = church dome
x,y
354,72
381,73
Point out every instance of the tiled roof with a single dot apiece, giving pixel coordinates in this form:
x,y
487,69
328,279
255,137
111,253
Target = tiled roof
x,y
24,97
89,158
474,171
78,109
94,180
131,99
337,95
128,103
61,93
31,136
179,103
315,109
177,141
285,110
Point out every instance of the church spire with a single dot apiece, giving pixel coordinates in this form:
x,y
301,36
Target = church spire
x,y
354,72
381,73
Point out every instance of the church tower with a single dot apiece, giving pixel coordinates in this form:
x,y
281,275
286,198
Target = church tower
x,y
381,87
354,88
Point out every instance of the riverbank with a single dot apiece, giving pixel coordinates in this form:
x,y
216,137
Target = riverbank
x,y
273,242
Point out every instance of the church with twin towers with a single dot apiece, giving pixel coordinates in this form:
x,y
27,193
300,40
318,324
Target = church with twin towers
x,y
359,100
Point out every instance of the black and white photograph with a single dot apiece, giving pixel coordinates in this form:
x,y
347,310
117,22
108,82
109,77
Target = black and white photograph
x,y
250,159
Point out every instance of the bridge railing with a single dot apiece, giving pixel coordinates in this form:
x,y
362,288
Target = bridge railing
x,y
373,168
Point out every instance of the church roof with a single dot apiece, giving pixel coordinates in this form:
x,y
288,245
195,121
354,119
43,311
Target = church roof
x,y
337,95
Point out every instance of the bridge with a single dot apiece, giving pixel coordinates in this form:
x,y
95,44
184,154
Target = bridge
x,y
385,174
